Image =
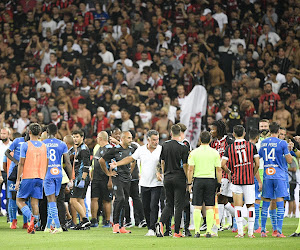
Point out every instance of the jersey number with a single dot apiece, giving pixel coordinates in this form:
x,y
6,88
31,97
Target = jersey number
x,y
270,155
52,156
242,154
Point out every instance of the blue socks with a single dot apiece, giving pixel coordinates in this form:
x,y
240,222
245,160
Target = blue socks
x,y
9,210
280,215
49,218
264,215
256,222
26,212
14,209
273,217
53,212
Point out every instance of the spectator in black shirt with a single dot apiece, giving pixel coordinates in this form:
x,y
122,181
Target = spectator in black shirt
x,y
288,87
12,115
70,56
173,157
24,97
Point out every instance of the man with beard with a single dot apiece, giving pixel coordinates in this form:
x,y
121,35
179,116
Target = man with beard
x,y
269,96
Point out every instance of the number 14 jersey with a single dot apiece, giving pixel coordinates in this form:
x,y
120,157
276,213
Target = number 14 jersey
x,y
273,152
240,156
56,149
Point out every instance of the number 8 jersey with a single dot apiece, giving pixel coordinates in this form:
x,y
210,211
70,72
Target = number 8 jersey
x,y
273,152
240,156
56,149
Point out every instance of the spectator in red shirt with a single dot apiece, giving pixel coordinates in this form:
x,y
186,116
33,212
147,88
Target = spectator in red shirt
x,y
269,96
99,121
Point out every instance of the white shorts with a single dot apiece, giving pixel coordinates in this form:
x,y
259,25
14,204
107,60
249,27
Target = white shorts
x,y
226,187
247,190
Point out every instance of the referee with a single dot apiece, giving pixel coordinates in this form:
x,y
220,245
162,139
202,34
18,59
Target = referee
x,y
203,161
173,158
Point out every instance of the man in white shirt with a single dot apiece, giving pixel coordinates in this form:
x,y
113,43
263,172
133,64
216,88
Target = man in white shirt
x,y
46,23
221,18
269,37
144,61
60,80
151,186
43,84
107,56
22,122
127,123
126,63
5,142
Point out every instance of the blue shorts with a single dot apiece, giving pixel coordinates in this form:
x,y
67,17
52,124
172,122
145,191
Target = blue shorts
x,y
31,188
274,188
52,186
257,193
10,188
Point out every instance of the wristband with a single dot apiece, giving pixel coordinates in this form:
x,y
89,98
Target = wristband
x,y
189,184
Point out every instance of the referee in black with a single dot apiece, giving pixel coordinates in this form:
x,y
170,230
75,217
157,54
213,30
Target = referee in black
x,y
174,156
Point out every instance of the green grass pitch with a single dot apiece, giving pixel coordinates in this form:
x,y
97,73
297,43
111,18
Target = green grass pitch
x,y
103,238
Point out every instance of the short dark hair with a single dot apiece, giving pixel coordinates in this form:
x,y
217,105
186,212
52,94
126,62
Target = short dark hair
x,y
205,137
253,133
152,132
182,127
52,129
238,130
78,132
35,128
175,129
274,127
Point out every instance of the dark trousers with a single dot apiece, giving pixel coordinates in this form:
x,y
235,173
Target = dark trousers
x,y
137,204
122,196
150,198
61,205
43,203
175,192
187,210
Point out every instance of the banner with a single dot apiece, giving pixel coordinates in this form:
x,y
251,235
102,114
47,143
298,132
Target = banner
x,y
193,109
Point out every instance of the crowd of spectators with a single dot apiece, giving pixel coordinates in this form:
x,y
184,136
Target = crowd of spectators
x,y
130,64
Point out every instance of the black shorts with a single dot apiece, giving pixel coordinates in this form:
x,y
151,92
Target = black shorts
x,y
99,190
292,191
204,190
80,193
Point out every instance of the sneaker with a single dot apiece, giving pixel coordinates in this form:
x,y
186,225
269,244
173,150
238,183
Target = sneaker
x,y
220,229
129,225
85,224
251,236
31,228
106,224
48,230
227,226
94,222
263,235
186,233
274,234
197,235
203,227
258,230
14,224
150,233
70,223
280,235
143,223
234,230
124,231
168,233
25,226
64,228
208,235
295,235
116,228
178,235
57,230
159,229
239,236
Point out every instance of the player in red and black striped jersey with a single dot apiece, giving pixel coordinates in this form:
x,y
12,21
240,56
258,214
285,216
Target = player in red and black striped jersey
x,y
220,142
240,156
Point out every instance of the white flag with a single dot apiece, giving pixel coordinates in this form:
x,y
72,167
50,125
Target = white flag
x,y
192,110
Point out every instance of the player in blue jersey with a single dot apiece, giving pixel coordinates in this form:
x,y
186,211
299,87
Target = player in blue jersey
x,y
12,176
273,151
54,175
